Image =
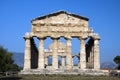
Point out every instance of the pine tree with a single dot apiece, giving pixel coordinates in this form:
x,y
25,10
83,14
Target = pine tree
x,y
6,61
117,61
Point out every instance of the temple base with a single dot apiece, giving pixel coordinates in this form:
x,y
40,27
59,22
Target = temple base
x,y
65,71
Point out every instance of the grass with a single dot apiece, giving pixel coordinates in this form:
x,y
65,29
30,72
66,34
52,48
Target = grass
x,y
58,77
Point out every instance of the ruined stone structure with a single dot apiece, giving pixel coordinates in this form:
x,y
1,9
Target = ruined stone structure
x,y
56,25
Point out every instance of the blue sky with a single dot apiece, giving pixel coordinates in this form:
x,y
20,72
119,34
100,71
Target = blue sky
x,y
104,15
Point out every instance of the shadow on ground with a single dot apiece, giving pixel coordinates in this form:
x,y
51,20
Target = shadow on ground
x,y
10,78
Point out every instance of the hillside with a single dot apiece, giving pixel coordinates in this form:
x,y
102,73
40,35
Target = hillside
x,y
108,64
18,58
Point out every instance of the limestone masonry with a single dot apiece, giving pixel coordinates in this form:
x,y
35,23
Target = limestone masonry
x,y
56,25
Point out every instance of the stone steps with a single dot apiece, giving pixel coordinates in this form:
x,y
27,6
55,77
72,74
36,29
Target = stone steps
x,y
65,71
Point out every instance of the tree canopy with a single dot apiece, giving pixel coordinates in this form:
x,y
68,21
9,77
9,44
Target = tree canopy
x,y
6,61
117,61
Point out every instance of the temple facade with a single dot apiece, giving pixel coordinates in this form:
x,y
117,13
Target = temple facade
x,y
56,25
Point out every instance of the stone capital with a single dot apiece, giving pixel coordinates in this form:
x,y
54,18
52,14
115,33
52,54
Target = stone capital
x,y
96,36
63,56
55,38
83,38
41,38
27,35
68,38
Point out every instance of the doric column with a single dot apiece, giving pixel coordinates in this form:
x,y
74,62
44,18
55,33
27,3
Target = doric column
x,y
72,62
69,54
82,54
46,60
96,55
55,54
92,57
63,61
41,54
78,62
27,54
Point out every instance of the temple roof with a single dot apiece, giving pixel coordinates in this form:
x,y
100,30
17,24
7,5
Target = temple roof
x,y
57,13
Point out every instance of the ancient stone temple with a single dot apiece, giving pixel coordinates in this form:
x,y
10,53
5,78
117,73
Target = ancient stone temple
x,y
56,25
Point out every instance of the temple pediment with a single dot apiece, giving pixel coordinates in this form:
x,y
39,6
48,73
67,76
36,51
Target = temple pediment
x,y
60,21
59,17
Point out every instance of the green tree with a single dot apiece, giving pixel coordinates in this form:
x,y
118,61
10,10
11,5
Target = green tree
x,y
117,61
6,61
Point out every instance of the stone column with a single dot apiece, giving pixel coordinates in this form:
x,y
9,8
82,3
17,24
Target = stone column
x,y
72,62
82,54
55,54
96,55
63,61
41,54
69,54
27,54
92,57
78,62
46,60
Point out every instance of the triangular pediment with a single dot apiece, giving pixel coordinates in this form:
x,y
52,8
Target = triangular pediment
x,y
60,21
59,17
59,13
